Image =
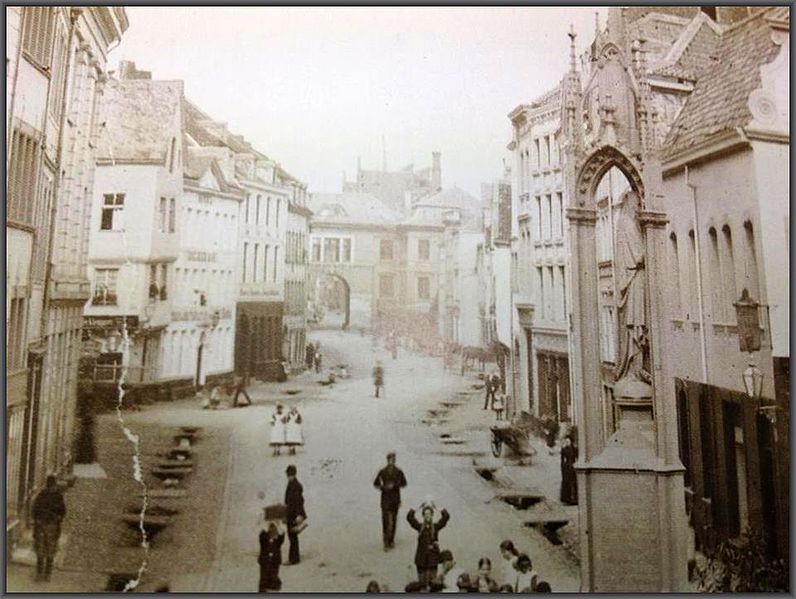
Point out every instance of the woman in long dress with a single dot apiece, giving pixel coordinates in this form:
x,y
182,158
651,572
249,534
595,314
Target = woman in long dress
x,y
278,420
294,435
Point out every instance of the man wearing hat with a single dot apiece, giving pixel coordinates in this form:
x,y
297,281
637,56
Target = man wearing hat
x,y
294,502
390,480
49,510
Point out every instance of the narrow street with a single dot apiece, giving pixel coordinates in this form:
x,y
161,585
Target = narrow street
x,y
348,433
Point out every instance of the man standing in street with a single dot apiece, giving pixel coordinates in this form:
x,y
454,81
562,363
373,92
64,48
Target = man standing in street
x,y
390,480
49,510
294,501
378,376
491,387
309,355
240,387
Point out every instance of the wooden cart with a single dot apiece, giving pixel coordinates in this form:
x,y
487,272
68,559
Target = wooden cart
x,y
515,434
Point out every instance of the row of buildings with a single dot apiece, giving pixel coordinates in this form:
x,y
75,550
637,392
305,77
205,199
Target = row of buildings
x,y
146,243
610,271
198,248
56,79
697,95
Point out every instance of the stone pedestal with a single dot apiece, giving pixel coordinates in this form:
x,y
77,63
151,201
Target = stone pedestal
x,y
633,533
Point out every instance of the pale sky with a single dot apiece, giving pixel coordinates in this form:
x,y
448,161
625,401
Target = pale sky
x,y
315,87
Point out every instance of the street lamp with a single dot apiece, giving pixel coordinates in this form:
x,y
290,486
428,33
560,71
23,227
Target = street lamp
x,y
753,381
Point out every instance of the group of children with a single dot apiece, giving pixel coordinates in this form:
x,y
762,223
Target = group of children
x,y
286,429
513,573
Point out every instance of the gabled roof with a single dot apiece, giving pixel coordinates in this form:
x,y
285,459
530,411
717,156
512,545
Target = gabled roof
x,y
720,98
142,118
351,208
195,167
693,51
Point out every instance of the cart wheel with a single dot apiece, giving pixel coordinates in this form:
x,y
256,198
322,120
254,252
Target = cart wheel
x,y
497,446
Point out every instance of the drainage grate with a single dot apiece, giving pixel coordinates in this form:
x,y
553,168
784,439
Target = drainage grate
x,y
521,502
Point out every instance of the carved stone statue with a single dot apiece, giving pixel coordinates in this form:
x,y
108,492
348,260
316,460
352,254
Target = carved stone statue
x,y
633,359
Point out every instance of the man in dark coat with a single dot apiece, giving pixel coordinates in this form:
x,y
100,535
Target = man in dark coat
x,y
309,355
294,501
390,480
491,383
427,553
49,510
240,387
378,377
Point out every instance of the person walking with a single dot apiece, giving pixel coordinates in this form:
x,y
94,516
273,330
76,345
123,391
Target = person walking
x,y
240,388
378,376
318,361
489,385
427,554
278,421
49,510
270,557
390,480
294,501
309,355
294,435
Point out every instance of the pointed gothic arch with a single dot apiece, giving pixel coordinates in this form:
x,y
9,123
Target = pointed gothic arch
x,y
599,162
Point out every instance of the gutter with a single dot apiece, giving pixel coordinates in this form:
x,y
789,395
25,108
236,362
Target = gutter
x,y
702,336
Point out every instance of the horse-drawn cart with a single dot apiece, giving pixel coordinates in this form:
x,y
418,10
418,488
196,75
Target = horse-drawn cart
x,y
516,434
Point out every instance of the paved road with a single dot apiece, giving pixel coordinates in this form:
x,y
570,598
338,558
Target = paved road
x,y
348,433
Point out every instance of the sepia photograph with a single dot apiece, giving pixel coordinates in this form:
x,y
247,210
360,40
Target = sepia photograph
x,y
397,299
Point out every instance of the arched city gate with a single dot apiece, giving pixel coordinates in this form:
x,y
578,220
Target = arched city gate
x,y
332,295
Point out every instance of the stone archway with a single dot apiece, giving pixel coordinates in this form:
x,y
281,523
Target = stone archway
x,y
333,293
594,168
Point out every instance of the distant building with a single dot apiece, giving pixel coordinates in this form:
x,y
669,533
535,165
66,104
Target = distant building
x,y
398,189
353,256
56,60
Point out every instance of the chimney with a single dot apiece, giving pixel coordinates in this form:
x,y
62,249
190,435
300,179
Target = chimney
x,y
436,171
127,70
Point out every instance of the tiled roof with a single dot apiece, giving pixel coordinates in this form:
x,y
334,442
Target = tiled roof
x,y
452,197
351,208
143,116
719,100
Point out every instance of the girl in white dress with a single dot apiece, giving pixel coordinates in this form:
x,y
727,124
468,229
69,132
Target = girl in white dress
x,y
278,420
294,435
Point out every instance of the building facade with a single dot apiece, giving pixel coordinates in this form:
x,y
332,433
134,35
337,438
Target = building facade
x,y
541,259
296,277
726,190
55,77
